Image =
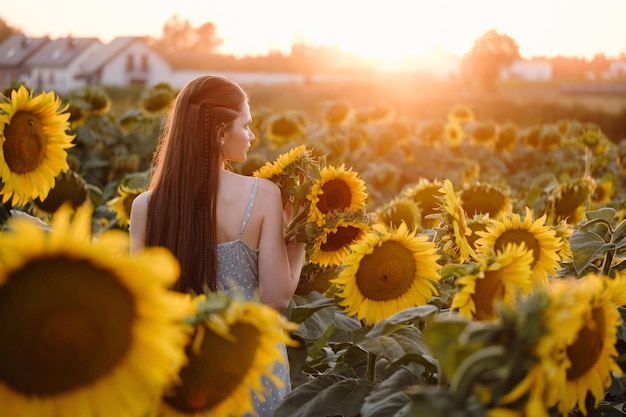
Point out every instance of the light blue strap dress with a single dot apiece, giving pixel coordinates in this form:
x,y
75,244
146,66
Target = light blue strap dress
x,y
238,275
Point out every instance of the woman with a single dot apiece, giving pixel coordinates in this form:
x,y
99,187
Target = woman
x,y
224,228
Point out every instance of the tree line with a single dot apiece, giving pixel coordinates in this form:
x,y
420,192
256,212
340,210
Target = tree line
x,y
187,46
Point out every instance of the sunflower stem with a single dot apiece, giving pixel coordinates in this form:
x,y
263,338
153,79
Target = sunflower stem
x,y
588,156
608,261
371,367
295,223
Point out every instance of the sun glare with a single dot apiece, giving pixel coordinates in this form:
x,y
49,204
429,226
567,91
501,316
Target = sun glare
x,y
391,31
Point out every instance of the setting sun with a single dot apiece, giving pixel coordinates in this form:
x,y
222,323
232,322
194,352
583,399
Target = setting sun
x,y
394,29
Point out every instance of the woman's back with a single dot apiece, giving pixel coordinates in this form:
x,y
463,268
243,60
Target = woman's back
x,y
237,268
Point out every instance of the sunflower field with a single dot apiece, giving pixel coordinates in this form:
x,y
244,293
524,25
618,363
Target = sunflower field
x,y
457,267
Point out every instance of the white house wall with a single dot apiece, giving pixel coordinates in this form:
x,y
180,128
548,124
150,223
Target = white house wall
x,y
115,72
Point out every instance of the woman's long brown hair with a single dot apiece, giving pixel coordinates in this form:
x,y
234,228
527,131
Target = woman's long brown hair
x,y
182,206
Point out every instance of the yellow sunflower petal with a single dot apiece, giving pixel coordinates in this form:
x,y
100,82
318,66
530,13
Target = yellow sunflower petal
x,y
101,331
33,136
387,272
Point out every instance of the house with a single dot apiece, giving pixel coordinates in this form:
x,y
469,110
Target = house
x,y
14,52
617,70
532,70
126,61
55,65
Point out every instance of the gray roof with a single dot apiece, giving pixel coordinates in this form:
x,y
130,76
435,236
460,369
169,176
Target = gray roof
x,y
17,48
108,52
60,52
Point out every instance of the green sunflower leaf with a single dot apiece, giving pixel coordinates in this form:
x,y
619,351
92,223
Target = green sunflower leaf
x,y
586,247
605,213
619,235
389,397
409,315
327,395
305,309
383,346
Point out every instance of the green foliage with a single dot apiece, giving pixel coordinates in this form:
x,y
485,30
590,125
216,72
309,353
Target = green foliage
x,y
598,242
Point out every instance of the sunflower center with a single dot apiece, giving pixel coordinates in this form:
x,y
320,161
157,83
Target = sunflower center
x,y
336,194
387,273
25,144
67,188
428,200
487,291
404,211
339,239
516,237
587,349
571,198
483,201
284,127
157,102
68,323
212,377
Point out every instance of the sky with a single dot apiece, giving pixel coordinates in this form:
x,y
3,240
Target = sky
x,y
392,29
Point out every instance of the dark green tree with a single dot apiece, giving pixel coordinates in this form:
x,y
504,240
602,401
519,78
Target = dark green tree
x,y
186,45
490,53
6,30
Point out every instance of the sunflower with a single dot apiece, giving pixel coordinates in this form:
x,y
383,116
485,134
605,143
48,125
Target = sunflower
x,y
69,187
563,231
591,356
281,129
485,132
576,354
431,133
486,198
427,195
461,114
454,219
157,99
508,137
33,138
122,203
476,223
79,111
594,139
100,333
390,270
331,247
569,200
338,189
535,234
496,278
248,340
271,170
374,115
338,112
314,277
381,177
397,211
550,137
254,162
96,99
603,193
453,134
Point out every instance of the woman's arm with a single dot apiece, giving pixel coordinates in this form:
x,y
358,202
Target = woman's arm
x,y
138,218
279,264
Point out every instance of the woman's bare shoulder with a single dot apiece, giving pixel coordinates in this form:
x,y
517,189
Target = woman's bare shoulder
x,y
140,203
142,198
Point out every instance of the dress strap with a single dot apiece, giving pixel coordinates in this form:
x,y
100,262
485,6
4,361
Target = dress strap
x,y
246,217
